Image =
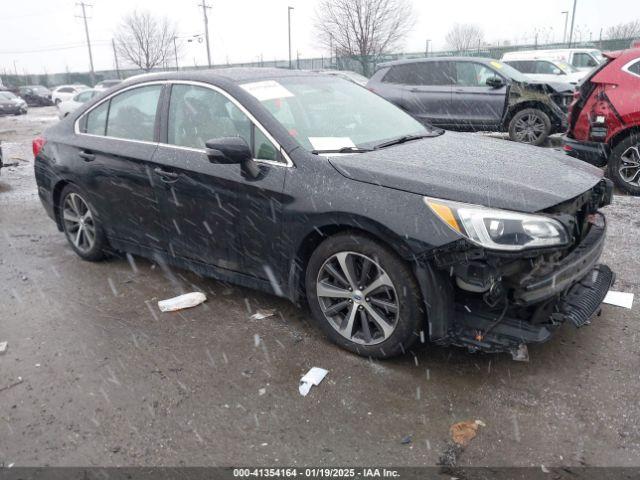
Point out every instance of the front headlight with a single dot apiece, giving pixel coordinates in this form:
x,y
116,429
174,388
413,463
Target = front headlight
x,y
499,229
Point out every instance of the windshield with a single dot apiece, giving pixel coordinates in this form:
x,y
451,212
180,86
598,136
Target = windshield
x,y
509,71
7,96
597,54
328,113
39,89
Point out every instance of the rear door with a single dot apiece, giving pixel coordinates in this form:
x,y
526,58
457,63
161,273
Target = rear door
x,y
427,89
114,149
474,103
214,213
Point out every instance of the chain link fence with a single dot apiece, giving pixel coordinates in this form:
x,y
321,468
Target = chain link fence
x,y
364,66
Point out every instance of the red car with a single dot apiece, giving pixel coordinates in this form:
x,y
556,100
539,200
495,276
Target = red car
x,y
604,119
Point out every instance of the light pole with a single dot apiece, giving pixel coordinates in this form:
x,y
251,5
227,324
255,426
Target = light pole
x,y
573,19
175,52
289,24
566,18
426,48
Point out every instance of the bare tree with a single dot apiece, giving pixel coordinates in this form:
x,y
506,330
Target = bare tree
x,y
624,30
145,41
363,29
466,36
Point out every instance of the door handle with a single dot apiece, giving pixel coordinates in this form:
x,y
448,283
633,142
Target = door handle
x,y
87,156
165,176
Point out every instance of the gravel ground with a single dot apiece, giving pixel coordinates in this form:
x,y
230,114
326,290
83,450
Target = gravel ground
x,y
95,375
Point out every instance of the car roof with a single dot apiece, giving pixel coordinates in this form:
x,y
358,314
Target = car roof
x,y
237,75
435,59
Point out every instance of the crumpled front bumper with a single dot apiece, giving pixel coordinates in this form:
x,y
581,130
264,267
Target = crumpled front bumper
x,y
571,269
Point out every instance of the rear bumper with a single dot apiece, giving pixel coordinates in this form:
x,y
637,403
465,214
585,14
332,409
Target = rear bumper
x,y
596,153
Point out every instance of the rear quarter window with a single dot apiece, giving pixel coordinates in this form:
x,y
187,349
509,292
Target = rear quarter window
x,y
634,68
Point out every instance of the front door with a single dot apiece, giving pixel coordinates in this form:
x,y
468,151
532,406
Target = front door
x,y
473,102
214,213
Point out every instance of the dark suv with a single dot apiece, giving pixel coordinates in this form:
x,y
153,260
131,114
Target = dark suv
x,y
315,189
468,93
35,95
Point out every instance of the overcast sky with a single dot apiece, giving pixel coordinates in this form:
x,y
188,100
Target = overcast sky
x,y
45,35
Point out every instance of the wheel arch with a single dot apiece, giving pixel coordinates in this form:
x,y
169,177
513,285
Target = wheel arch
x,y
623,135
56,197
518,107
320,231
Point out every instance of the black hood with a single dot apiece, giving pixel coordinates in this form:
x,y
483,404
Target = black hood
x,y
474,169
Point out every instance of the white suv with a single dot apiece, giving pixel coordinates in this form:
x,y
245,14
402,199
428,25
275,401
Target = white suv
x,y
65,92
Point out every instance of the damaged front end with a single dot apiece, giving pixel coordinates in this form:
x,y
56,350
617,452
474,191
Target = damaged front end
x,y
498,300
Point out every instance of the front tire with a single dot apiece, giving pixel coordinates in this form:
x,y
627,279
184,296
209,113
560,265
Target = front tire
x,y
530,126
363,297
81,224
624,164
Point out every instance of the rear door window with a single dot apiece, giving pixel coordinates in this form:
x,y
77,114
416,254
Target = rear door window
x,y
523,66
635,68
420,74
132,114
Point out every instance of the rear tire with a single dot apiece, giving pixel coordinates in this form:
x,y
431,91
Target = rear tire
x,y
81,224
531,126
380,321
624,164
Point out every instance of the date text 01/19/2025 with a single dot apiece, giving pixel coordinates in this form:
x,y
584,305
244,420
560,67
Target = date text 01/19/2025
x,y
293,472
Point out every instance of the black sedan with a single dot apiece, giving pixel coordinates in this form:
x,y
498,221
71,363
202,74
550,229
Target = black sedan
x,y
11,104
315,189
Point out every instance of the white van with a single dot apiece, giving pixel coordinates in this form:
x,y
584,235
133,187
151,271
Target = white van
x,y
579,58
545,70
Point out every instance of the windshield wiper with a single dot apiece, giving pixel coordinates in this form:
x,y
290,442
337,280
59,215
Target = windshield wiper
x,y
343,150
406,138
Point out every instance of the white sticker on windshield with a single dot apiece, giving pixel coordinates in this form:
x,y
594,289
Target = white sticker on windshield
x,y
267,90
331,143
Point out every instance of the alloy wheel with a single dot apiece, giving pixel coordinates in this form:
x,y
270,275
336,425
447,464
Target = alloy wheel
x,y
630,166
529,128
357,298
78,222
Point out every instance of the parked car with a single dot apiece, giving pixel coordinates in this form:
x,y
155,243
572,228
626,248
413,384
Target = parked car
x,y
11,104
583,59
107,84
468,93
347,75
68,106
65,92
35,95
311,187
545,70
604,122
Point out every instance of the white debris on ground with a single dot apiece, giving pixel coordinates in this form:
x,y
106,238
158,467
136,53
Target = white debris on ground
x,y
260,314
3,347
181,302
619,299
311,378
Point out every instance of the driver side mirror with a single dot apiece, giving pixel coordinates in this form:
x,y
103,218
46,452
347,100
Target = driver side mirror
x,y
495,82
228,150
557,71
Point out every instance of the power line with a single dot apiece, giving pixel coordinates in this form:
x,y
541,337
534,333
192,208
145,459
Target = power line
x,y
206,7
86,31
